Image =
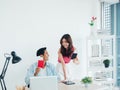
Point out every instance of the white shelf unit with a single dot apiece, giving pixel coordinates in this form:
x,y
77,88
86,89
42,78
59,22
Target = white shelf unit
x,y
99,48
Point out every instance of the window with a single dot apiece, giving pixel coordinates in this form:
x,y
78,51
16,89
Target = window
x,y
106,17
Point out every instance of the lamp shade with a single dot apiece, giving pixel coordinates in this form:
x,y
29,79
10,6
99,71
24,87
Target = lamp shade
x,y
15,58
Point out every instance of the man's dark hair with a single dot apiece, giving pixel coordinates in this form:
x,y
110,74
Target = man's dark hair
x,y
40,51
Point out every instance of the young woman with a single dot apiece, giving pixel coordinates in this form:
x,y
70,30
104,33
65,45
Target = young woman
x,y
64,57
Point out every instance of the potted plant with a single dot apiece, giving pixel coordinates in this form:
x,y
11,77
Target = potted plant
x,y
86,81
92,26
106,63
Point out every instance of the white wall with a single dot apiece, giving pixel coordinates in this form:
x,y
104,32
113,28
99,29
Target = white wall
x,y
27,25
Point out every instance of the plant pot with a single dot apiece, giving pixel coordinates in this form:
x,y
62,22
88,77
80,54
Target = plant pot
x,y
93,31
106,65
86,85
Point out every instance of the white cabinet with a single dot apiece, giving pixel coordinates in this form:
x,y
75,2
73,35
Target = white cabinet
x,y
100,48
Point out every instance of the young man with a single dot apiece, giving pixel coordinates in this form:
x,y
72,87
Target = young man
x,y
34,70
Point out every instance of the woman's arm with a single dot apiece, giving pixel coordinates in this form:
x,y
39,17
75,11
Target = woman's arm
x,y
63,64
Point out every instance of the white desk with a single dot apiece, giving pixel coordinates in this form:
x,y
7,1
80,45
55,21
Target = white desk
x,y
77,86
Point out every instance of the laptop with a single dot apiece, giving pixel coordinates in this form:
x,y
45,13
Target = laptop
x,y
44,83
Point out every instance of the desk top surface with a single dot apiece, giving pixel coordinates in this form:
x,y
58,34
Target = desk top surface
x,y
77,86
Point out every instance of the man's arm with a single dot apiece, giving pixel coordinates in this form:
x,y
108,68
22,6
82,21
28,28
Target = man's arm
x,y
37,71
31,72
54,70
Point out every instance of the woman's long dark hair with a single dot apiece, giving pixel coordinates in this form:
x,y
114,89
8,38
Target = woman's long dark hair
x,y
70,49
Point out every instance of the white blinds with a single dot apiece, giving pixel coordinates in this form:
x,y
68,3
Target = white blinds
x,y
106,23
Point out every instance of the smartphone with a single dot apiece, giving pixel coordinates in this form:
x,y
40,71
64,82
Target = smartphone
x,y
41,64
74,55
69,82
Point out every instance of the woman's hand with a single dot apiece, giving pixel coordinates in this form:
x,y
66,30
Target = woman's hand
x,y
63,81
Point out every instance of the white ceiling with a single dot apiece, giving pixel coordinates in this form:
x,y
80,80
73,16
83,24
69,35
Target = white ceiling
x,y
110,1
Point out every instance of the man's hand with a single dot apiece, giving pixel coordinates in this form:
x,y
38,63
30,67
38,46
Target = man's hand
x,y
37,71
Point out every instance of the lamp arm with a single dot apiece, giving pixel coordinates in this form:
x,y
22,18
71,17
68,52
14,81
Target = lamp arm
x,y
3,84
5,67
3,73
